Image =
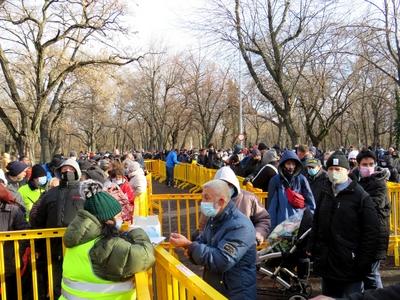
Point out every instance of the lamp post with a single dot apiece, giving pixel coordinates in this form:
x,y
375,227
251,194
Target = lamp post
x,y
240,101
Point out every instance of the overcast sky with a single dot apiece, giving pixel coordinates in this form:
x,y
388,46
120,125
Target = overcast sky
x,y
163,21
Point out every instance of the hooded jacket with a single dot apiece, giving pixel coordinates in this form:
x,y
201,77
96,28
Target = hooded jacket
x,y
117,258
246,202
58,206
227,250
278,206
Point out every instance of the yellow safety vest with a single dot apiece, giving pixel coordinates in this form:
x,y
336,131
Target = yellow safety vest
x,y
79,282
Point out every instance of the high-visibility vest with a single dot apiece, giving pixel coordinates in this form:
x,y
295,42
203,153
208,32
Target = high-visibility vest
x,y
79,281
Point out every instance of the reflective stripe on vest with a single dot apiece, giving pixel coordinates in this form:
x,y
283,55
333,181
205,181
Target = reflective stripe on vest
x,y
99,287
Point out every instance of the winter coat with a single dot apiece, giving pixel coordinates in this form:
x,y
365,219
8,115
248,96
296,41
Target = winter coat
x,y
138,182
345,234
171,159
375,186
127,190
227,250
248,204
13,187
117,258
251,167
30,196
278,206
262,178
12,217
317,182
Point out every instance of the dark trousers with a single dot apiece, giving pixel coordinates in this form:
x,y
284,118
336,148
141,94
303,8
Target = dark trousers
x,y
340,289
373,279
170,176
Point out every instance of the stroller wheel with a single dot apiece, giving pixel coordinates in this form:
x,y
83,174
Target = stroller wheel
x,y
298,297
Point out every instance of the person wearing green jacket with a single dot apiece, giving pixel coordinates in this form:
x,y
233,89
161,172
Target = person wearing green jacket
x,y
34,188
100,261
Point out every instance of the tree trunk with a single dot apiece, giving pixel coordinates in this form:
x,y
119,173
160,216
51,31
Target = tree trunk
x,y
45,151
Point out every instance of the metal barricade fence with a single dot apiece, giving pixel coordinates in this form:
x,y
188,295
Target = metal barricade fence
x,y
197,175
172,279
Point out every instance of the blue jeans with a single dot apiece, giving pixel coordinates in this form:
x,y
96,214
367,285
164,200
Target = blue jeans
x,y
340,289
373,279
170,176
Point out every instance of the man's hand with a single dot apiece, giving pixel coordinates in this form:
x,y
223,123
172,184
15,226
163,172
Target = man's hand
x,y
178,240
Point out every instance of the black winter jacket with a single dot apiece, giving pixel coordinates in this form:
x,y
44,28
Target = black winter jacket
x,y
317,182
12,217
345,233
57,208
375,186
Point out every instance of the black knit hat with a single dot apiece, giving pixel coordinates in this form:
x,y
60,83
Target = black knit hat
x,y
338,159
16,167
38,171
364,154
95,173
262,146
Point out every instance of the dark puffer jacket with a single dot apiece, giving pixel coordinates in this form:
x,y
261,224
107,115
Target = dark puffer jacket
x,y
345,234
375,186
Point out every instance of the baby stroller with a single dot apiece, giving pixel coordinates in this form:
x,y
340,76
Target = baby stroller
x,y
284,260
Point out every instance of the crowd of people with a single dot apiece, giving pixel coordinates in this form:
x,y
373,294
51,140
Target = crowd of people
x,y
346,190
93,194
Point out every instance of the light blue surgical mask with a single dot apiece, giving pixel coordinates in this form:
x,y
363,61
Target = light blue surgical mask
x,y
207,208
42,180
118,224
233,191
312,172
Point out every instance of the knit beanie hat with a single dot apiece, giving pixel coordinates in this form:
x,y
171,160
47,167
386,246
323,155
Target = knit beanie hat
x,y
100,204
262,146
338,159
16,167
38,171
95,173
364,154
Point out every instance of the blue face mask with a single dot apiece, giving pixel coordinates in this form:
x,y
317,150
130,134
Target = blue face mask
x,y
42,180
118,224
233,191
312,172
207,208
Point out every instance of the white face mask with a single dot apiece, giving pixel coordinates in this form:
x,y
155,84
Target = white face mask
x,y
338,177
118,181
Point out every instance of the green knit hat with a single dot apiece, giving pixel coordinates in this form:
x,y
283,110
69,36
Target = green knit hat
x,y
103,206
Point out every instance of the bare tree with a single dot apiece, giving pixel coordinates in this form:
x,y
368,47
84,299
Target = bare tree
x,y
42,45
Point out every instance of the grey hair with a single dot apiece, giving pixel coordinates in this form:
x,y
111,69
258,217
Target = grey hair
x,y
220,187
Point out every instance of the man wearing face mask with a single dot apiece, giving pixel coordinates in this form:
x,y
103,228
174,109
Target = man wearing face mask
x,y
316,176
57,208
227,246
345,234
373,179
16,172
288,191
35,187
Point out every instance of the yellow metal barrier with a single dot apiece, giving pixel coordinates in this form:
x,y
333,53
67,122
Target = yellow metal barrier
x,y
175,281
170,274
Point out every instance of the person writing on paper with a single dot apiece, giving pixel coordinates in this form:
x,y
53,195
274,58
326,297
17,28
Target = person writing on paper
x,y
107,258
227,246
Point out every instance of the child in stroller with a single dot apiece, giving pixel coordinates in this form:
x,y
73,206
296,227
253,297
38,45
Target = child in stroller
x,y
285,256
